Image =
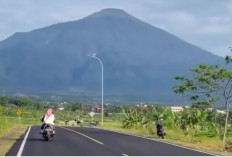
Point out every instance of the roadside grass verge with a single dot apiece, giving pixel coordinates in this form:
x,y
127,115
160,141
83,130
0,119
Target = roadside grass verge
x,y
209,144
7,141
175,136
11,128
6,124
10,131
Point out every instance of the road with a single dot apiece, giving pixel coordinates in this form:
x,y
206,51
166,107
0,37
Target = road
x,y
82,141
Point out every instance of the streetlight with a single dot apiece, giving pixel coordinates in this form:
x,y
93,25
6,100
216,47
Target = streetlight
x,y
94,56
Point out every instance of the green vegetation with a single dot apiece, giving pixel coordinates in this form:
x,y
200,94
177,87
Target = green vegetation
x,y
209,84
188,127
7,141
193,127
191,121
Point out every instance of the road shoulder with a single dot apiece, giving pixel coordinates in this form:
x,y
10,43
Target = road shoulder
x,y
186,145
8,140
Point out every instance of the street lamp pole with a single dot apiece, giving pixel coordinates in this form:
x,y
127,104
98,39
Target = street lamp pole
x,y
94,56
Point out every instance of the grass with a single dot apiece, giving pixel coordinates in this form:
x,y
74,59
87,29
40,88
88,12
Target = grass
x,y
7,141
6,124
213,145
10,130
175,136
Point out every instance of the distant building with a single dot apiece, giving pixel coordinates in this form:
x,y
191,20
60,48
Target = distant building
x,y
218,111
97,108
177,108
61,108
142,106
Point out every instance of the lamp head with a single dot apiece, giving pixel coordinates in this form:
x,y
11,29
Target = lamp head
x,y
92,55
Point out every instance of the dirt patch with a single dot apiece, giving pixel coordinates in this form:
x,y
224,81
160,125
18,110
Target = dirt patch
x,y
8,140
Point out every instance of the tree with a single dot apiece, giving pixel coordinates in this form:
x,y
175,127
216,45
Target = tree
x,y
229,58
156,113
210,83
76,106
113,108
134,118
4,100
22,101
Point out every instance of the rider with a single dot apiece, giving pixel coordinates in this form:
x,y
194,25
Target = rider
x,y
48,118
159,127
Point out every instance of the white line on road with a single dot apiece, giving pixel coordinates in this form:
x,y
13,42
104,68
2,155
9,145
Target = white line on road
x,y
125,155
83,135
211,154
24,142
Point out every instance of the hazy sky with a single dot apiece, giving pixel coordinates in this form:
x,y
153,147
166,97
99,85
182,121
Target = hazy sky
x,y
205,23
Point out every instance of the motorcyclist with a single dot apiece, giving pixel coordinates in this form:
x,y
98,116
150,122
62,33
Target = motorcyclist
x,y
48,118
159,126
160,129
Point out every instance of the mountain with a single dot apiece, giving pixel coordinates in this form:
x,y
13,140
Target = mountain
x,y
139,60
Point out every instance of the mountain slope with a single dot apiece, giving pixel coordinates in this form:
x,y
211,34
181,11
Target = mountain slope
x,y
138,58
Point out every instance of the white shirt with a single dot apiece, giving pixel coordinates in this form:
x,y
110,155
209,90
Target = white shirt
x,y
49,120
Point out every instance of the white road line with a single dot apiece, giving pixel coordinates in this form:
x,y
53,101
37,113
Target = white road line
x,y
83,135
24,142
125,155
211,154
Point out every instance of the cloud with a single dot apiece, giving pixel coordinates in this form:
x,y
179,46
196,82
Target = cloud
x,y
215,30
229,6
177,19
222,50
219,19
191,20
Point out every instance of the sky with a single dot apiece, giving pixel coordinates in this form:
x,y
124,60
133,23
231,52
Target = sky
x,y
204,23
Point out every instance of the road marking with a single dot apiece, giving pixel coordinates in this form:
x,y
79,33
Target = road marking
x,y
83,135
211,154
24,142
125,155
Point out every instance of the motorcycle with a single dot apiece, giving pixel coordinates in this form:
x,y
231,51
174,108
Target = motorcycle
x,y
48,132
160,130
161,133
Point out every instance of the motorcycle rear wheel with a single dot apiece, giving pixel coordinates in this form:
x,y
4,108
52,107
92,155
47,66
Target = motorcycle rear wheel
x,y
49,138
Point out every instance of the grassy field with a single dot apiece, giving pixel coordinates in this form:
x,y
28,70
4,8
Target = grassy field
x,y
7,141
209,144
175,136
11,129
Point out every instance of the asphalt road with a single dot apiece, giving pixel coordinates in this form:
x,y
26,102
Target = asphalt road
x,y
78,141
